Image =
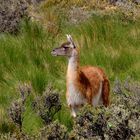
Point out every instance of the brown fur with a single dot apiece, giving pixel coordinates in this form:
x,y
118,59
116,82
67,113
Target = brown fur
x,y
88,81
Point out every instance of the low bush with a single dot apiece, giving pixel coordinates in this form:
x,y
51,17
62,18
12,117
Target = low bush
x,y
11,14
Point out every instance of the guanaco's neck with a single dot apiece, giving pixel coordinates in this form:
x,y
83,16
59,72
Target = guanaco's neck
x,y
73,68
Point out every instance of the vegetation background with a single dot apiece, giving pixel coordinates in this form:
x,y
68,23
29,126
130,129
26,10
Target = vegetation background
x,y
107,34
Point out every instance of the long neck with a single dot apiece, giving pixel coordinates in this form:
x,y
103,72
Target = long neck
x,y
73,68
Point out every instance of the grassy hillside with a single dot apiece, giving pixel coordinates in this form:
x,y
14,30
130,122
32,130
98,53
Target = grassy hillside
x,y
105,41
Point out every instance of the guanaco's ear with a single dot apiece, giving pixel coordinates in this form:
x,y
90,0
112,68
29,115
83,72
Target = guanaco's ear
x,y
69,38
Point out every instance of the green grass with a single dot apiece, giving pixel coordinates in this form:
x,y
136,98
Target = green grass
x,y
107,42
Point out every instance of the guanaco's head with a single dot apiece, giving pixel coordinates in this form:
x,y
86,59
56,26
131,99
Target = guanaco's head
x,y
66,49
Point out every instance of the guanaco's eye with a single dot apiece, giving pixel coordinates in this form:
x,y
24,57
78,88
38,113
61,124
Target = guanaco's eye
x,y
65,47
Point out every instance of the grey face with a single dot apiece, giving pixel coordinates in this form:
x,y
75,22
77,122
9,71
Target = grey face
x,y
64,50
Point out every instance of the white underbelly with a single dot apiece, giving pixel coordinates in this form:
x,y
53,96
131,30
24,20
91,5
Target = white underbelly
x,y
74,97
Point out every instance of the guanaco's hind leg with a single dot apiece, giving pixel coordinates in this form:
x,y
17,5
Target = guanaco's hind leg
x,y
105,92
97,99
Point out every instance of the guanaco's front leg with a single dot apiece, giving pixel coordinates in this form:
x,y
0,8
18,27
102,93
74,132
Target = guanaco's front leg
x,y
74,110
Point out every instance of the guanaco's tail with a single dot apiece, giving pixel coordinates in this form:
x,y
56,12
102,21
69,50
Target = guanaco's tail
x,y
105,92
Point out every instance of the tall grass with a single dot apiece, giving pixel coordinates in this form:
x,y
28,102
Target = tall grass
x,y
106,42
110,43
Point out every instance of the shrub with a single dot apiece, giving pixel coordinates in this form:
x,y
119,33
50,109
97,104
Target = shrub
x,y
17,108
120,121
11,13
47,105
54,131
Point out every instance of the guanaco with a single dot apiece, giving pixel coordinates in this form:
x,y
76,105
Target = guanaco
x,y
85,84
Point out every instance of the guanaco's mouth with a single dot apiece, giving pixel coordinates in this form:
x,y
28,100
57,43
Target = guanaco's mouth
x,y
54,53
